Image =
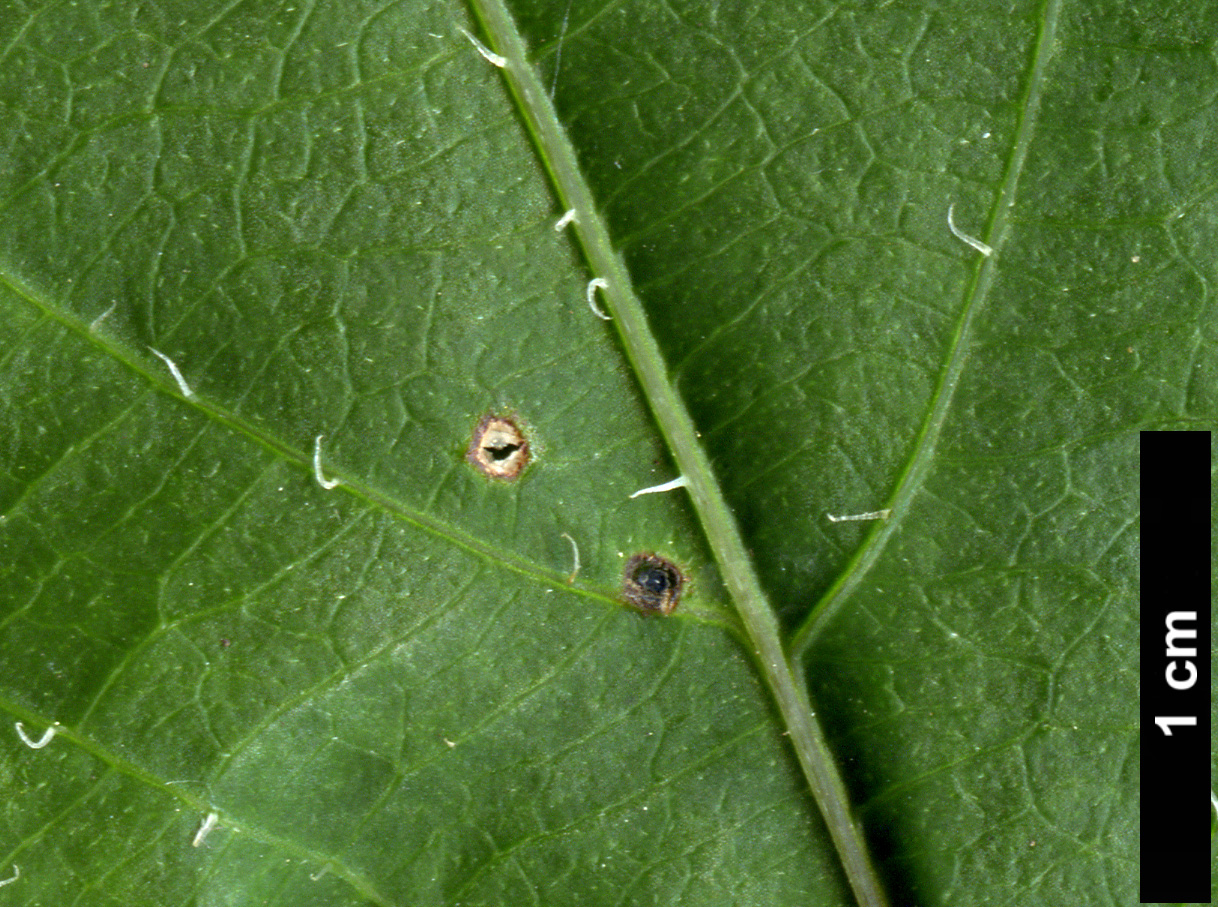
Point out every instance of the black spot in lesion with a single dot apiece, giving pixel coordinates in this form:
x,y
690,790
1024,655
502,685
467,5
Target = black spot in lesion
x,y
502,452
652,583
655,580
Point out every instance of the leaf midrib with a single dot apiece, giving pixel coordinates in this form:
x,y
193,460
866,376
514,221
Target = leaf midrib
x,y
557,155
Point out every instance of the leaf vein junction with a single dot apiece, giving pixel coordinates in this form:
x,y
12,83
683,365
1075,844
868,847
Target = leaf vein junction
x,y
918,463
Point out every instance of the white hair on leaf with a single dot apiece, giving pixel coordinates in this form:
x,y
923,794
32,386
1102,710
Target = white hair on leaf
x,y
489,55
205,829
177,375
680,482
96,323
575,555
317,474
973,241
38,744
597,283
859,517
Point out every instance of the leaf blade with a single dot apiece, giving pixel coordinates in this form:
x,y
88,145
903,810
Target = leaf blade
x,y
204,618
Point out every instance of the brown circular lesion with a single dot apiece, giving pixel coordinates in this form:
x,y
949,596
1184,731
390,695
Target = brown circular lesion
x,y
498,448
652,584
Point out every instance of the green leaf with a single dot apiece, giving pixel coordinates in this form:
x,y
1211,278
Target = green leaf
x,y
337,219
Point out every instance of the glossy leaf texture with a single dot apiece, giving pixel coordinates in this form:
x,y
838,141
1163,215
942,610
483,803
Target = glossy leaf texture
x,y
331,218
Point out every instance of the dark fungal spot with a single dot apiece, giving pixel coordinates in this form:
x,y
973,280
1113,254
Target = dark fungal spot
x,y
498,448
502,452
652,584
654,579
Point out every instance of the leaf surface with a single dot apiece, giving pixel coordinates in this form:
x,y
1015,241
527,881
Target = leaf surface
x,y
333,219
